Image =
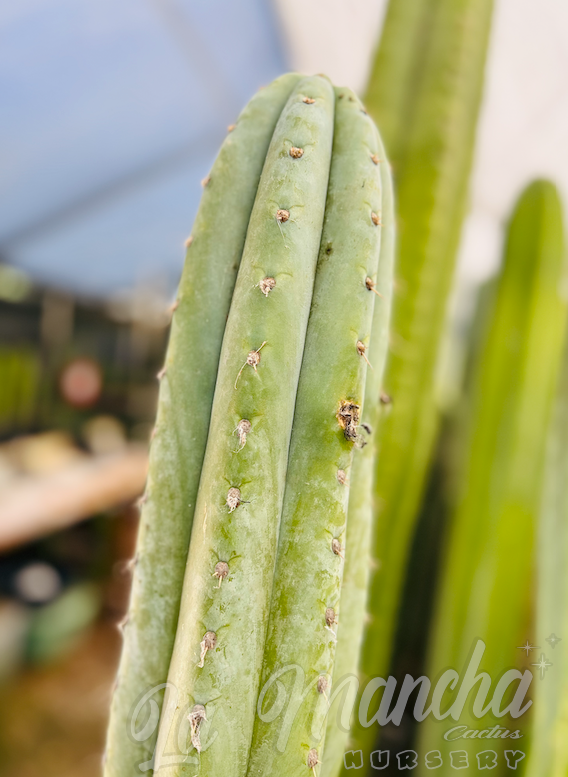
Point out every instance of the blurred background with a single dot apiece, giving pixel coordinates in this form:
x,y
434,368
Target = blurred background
x,y
112,115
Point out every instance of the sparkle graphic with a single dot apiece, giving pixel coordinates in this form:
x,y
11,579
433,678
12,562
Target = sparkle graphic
x,y
553,640
542,665
528,647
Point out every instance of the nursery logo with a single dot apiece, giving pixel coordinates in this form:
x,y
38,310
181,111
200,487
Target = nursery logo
x,y
287,699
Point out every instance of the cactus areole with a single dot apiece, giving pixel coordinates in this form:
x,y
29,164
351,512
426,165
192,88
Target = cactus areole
x,y
266,422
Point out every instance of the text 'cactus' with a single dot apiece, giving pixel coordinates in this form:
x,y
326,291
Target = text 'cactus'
x,y
260,480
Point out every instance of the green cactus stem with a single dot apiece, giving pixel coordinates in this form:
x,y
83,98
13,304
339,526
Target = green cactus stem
x,y
218,653
486,581
186,393
549,752
357,567
328,437
430,126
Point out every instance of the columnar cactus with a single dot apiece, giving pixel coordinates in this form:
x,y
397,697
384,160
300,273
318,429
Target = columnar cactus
x,y
263,420
549,755
485,588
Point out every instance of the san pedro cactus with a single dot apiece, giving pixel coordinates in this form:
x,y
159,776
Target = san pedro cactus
x,y
437,49
270,377
549,749
486,585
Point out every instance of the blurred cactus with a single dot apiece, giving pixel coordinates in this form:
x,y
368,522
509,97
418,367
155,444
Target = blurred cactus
x,y
549,750
19,388
485,587
263,417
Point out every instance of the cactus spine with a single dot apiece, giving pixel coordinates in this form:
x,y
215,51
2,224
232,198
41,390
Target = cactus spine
x,y
430,127
177,451
485,588
268,538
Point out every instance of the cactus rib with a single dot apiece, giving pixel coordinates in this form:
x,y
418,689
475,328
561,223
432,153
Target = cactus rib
x,y
494,527
360,510
186,393
244,535
325,439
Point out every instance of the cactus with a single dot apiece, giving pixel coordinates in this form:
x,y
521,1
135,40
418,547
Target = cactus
x,y
429,111
359,528
204,297
275,421
485,587
549,754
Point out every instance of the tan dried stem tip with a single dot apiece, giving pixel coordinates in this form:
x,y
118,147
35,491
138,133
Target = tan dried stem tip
x,y
233,499
385,398
282,215
313,759
342,476
266,285
296,152
221,571
336,548
330,617
188,241
243,428
231,127
308,100
207,643
361,350
375,218
375,158
195,717
370,284
205,181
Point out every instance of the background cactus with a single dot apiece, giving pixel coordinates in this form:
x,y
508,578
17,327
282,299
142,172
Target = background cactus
x,y
425,89
549,754
485,590
267,473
